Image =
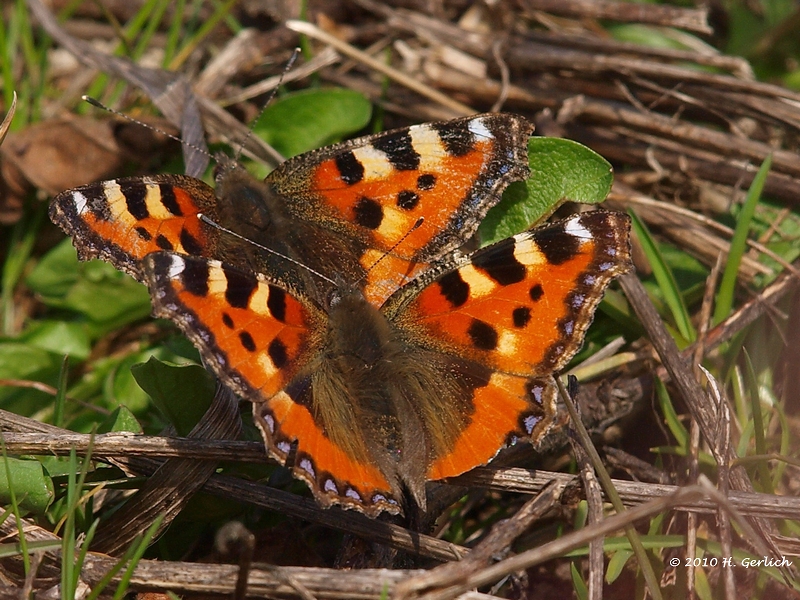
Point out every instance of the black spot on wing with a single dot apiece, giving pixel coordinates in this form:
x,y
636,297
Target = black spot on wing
x,y
499,263
368,213
190,244
521,316
247,341
536,292
240,288
483,335
227,320
454,288
168,199
276,303
426,182
135,194
407,200
456,137
399,150
350,168
194,277
558,246
143,233
277,353
163,242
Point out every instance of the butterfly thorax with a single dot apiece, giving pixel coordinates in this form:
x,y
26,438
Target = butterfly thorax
x,y
296,244
251,208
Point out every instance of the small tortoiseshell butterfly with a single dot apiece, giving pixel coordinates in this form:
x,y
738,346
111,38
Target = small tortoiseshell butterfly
x,y
411,362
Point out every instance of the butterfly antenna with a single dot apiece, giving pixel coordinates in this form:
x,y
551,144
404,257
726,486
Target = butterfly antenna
x,y
414,227
100,105
219,227
286,69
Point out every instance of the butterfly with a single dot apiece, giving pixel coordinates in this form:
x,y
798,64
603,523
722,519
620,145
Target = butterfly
x,y
377,379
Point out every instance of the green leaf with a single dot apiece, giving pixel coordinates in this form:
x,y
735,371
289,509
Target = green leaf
x,y
306,120
23,361
106,297
578,584
181,393
33,489
727,287
122,419
60,337
561,170
56,272
122,387
702,586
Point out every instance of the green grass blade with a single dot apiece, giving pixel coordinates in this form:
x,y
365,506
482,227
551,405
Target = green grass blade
x,y
139,550
665,279
26,561
174,33
758,423
727,287
207,27
112,572
69,577
671,417
578,584
59,406
23,238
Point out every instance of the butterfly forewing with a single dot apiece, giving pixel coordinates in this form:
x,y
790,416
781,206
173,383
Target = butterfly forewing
x,y
522,305
251,333
446,175
257,337
124,220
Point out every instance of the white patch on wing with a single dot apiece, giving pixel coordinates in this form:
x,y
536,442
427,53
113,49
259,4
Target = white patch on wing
x,y
574,228
176,266
478,128
80,202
